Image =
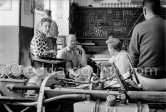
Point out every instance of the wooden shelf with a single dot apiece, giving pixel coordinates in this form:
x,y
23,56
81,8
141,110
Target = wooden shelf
x,y
138,7
94,49
101,38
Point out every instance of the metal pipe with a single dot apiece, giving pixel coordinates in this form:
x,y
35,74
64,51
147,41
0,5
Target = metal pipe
x,y
12,99
70,96
13,87
95,94
7,107
145,96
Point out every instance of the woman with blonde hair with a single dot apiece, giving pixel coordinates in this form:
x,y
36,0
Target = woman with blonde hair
x,y
40,46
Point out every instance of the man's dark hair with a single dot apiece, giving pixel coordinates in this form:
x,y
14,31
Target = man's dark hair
x,y
153,5
46,20
48,12
111,34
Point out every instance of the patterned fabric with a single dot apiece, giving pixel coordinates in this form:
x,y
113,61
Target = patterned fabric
x,y
38,44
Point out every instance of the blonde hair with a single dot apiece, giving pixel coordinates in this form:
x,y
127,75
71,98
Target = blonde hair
x,y
45,19
115,44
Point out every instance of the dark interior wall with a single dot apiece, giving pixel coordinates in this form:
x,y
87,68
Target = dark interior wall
x,y
25,37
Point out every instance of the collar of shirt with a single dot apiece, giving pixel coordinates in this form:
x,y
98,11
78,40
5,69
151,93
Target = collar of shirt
x,y
40,32
70,50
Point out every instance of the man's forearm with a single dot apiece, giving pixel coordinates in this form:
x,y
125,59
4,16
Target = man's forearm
x,y
106,64
134,61
83,59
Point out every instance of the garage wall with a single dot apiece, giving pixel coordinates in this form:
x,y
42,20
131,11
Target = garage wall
x,y
9,32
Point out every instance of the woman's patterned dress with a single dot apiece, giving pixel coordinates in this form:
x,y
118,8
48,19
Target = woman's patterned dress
x,y
38,45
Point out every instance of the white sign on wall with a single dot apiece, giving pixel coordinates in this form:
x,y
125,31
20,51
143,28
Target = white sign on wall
x,y
60,13
5,4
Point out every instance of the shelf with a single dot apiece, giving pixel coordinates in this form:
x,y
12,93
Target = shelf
x,y
94,47
124,38
101,38
138,7
92,38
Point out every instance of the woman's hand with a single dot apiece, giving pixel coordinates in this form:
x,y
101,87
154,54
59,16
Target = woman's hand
x,y
50,52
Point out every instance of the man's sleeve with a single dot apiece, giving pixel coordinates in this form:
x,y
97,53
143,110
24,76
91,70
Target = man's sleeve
x,y
82,57
134,48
